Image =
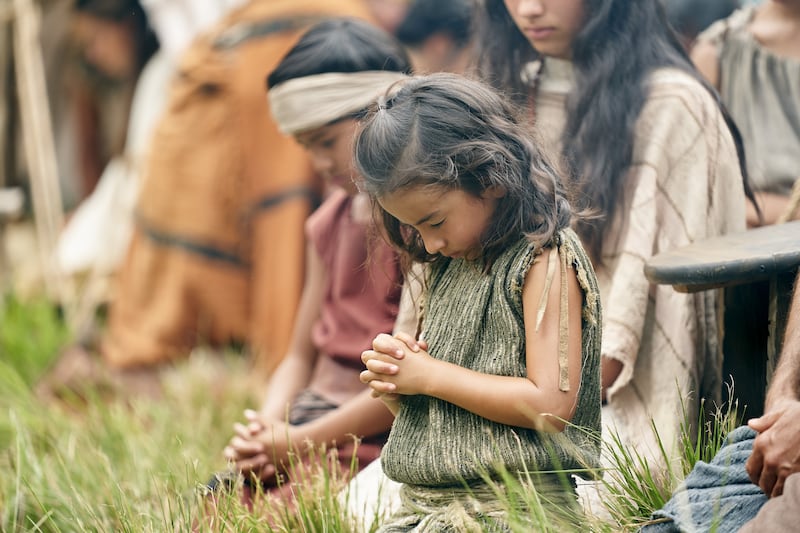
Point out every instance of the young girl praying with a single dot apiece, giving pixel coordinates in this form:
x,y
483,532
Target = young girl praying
x,y
505,375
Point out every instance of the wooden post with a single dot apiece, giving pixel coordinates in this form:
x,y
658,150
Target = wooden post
x,y
37,134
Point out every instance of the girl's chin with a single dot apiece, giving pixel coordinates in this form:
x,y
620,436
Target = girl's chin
x,y
467,256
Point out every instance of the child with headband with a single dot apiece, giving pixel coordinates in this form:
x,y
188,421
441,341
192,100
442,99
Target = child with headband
x,y
317,94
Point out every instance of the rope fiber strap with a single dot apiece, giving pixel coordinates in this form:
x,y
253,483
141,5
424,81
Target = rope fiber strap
x,y
563,317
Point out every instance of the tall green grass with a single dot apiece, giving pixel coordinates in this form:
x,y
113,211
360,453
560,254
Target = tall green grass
x,y
634,485
139,465
31,332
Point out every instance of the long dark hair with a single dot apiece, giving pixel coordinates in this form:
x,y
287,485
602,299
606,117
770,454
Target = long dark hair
x,y
621,43
341,45
448,132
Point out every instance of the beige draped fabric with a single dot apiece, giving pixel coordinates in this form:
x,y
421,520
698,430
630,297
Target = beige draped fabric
x,y
684,186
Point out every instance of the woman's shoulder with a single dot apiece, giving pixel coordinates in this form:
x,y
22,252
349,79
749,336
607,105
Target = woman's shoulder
x,y
673,81
732,26
677,93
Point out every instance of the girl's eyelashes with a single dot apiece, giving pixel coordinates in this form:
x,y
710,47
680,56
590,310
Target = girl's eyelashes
x,y
438,223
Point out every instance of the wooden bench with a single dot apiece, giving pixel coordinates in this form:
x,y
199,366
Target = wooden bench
x,y
756,269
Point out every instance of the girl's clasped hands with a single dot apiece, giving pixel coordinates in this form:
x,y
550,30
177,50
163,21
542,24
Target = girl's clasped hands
x,y
397,365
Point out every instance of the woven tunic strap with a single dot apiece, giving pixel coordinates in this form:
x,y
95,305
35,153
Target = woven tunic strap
x,y
563,322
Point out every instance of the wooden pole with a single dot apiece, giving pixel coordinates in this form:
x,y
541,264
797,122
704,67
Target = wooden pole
x,y
37,134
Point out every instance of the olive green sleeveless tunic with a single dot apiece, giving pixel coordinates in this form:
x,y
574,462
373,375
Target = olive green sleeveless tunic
x,y
475,319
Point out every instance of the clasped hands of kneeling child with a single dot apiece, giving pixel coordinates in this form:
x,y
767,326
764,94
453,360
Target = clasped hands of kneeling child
x,y
260,444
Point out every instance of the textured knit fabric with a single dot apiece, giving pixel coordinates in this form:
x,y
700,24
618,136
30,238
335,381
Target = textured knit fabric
x,y
684,185
715,496
363,280
762,92
475,320
218,247
478,509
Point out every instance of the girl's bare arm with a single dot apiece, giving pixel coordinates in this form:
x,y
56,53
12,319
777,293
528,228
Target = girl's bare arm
x,y
534,401
294,372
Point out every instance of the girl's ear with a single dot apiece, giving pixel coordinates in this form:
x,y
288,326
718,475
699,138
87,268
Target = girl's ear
x,y
495,192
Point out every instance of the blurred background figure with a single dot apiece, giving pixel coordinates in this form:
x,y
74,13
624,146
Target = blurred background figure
x,y
178,22
690,17
438,35
92,52
388,13
753,59
217,247
111,41
93,243
98,232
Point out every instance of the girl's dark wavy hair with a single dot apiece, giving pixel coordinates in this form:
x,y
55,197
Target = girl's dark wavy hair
x,y
622,42
341,44
447,132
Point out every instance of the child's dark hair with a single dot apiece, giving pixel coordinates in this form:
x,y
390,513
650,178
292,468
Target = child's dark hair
x,y
446,131
622,42
341,44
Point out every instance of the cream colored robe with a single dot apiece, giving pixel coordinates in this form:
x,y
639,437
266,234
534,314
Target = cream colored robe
x,y
684,185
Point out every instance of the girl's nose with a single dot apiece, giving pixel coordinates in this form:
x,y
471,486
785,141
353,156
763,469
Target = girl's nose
x,y
529,8
433,245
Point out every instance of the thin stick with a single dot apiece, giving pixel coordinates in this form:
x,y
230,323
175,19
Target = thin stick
x,y
37,133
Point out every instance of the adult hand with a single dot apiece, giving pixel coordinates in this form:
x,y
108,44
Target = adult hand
x,y
776,450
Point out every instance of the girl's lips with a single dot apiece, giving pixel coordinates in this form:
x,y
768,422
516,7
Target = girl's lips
x,y
539,33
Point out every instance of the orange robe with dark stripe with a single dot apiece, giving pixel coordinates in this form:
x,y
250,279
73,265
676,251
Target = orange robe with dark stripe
x,y
217,255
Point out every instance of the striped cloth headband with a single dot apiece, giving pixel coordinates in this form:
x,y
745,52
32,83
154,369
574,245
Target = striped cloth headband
x,y
310,102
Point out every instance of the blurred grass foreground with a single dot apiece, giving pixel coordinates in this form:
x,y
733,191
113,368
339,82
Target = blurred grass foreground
x,y
104,464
